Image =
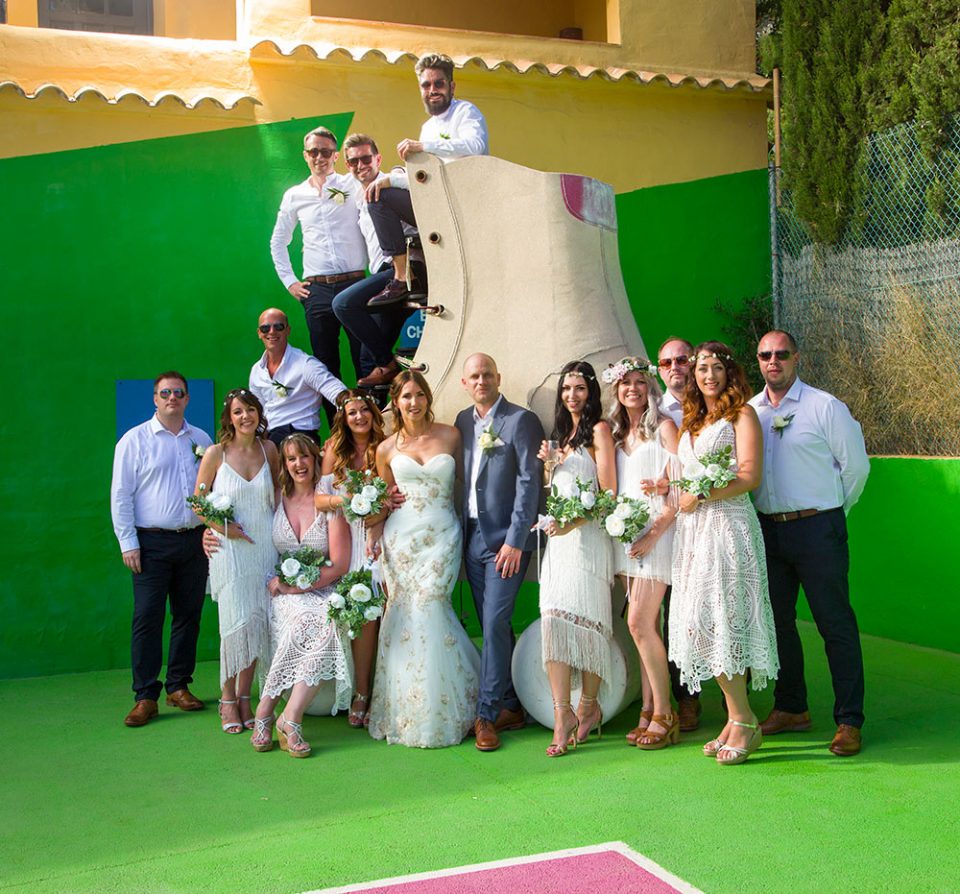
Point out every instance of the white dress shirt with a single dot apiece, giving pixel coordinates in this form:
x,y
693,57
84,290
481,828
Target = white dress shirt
x,y
672,408
479,424
461,130
819,461
154,471
304,379
332,240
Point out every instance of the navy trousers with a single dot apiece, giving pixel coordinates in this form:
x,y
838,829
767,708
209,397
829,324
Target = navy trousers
x,y
812,553
377,332
494,599
171,565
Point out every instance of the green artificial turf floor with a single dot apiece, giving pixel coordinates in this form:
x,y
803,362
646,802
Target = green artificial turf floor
x,y
177,806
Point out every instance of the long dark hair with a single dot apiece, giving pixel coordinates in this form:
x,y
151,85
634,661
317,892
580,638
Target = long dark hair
x,y
563,432
341,441
730,402
227,431
396,386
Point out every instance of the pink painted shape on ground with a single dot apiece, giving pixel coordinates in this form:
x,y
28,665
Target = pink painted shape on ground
x,y
601,873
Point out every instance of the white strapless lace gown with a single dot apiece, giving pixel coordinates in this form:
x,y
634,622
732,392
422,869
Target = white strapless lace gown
x,y
425,690
720,616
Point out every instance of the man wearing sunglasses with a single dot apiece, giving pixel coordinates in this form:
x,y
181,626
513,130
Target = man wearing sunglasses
x,y
334,251
378,332
154,471
289,382
815,466
673,364
454,129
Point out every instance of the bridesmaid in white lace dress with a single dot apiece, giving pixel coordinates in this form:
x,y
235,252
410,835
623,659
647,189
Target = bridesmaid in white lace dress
x,y
425,690
243,465
575,607
646,442
308,646
721,623
355,435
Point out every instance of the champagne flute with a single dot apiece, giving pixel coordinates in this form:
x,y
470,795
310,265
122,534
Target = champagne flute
x,y
550,462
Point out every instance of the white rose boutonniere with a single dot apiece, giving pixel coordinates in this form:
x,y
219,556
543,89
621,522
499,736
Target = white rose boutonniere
x,y
339,196
782,422
489,439
280,389
197,451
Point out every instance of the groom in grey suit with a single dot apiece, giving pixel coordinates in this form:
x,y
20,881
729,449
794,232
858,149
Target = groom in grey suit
x,y
501,497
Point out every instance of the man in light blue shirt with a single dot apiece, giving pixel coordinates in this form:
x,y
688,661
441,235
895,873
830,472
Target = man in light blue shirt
x,y
815,466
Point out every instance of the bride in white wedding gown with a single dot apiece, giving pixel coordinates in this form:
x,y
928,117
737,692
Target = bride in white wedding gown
x,y
425,688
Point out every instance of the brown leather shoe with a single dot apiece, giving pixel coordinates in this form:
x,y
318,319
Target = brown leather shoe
x,y
846,742
507,720
142,711
486,733
785,722
689,711
185,700
382,375
396,291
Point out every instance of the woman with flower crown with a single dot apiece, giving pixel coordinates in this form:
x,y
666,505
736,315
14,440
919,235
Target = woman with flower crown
x,y
355,435
575,610
721,623
646,445
242,465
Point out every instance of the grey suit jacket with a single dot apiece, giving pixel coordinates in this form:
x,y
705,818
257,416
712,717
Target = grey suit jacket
x,y
508,481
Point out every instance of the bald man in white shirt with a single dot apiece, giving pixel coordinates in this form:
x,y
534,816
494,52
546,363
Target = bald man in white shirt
x,y
815,466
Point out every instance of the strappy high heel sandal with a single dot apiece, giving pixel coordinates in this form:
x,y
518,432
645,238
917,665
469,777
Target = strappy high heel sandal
x,y
291,739
249,723
262,738
588,701
741,754
569,737
233,727
358,719
670,723
638,730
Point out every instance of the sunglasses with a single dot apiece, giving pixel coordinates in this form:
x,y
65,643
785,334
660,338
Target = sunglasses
x,y
680,360
276,327
438,84
178,393
359,159
766,356
314,152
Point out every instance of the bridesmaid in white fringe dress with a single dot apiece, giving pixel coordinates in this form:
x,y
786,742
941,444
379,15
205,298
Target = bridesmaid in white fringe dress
x,y
243,465
575,608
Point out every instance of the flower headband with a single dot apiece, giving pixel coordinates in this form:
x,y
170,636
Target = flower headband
x,y
615,372
236,392
705,355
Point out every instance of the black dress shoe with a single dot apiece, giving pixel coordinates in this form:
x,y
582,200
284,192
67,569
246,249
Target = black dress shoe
x,y
395,292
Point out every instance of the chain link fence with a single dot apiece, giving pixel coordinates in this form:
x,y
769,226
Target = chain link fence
x,y
877,316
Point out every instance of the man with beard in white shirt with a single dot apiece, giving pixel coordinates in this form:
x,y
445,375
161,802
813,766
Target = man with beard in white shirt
x,y
455,128
815,466
673,363
334,251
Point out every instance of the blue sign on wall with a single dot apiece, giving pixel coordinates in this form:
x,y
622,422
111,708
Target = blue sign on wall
x,y
135,404
412,330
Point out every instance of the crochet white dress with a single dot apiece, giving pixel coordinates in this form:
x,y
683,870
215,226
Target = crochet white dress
x,y
720,616
575,604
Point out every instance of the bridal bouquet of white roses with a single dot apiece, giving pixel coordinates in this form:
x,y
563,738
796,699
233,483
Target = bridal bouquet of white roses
x,y
356,601
365,495
570,499
301,568
622,517
215,507
715,469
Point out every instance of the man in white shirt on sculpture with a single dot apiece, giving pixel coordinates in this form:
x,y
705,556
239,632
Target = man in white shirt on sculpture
x,y
815,466
334,252
289,382
154,471
455,128
673,363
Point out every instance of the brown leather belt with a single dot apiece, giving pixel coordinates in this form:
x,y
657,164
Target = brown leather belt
x,y
336,277
792,516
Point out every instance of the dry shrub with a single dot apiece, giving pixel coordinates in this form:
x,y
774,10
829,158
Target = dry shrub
x,y
890,357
